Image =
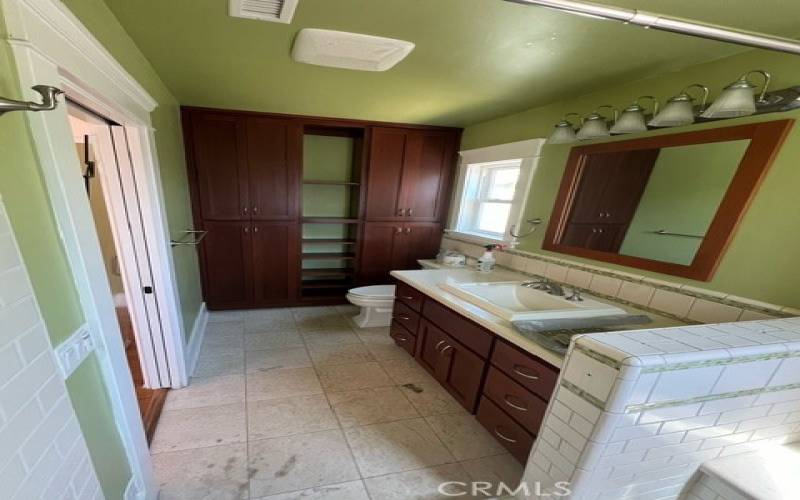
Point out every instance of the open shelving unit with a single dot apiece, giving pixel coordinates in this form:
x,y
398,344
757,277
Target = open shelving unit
x,y
331,207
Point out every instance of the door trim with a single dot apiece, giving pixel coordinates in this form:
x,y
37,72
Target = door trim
x,y
49,45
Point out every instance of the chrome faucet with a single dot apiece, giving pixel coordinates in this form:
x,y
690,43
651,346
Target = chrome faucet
x,y
544,285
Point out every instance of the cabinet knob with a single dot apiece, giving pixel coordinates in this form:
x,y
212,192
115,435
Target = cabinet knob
x,y
246,229
400,212
244,210
409,211
255,229
255,209
408,230
398,230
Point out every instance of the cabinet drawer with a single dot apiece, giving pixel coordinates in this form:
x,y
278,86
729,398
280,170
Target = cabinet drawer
x,y
458,327
403,337
405,316
530,372
410,296
521,404
507,432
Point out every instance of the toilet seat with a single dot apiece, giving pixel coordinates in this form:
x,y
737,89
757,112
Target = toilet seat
x,y
374,291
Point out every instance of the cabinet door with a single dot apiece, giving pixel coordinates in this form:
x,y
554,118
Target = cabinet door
x,y
380,251
420,240
460,372
227,264
219,158
385,174
604,238
275,262
273,165
626,186
427,171
430,340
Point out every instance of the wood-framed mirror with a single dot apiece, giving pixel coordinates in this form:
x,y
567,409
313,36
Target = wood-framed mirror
x,y
669,203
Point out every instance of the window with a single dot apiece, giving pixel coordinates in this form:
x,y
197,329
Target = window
x,y
488,195
492,190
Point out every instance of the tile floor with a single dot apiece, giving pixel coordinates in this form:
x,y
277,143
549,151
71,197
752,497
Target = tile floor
x,y
298,403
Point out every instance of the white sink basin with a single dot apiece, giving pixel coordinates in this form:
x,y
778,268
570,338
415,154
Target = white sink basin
x,y
513,302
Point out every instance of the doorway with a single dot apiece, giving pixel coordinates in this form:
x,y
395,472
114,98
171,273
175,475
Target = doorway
x,y
104,158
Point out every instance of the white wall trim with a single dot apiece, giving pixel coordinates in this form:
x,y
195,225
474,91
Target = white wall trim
x,y
196,340
509,151
50,46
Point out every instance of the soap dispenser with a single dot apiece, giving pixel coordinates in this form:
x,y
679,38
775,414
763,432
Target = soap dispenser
x,y
487,261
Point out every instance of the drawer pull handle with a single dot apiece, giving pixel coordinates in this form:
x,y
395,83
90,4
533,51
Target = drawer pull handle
x,y
523,374
445,348
406,297
438,344
400,338
501,436
510,403
404,318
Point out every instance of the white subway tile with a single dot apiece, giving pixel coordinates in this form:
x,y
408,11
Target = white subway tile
x,y
672,303
745,376
638,293
684,384
645,443
706,311
605,285
787,373
590,375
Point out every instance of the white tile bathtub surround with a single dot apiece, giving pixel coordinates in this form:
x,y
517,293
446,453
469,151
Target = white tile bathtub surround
x,y
653,414
42,451
680,301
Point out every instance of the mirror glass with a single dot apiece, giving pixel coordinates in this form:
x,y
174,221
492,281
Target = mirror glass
x,y
651,203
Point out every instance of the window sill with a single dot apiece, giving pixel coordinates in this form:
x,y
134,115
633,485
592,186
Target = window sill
x,y
477,238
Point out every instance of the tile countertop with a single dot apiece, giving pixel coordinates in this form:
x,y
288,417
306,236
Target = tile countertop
x,y
428,280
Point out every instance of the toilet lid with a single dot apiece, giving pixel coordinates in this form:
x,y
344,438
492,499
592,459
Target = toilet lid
x,y
376,291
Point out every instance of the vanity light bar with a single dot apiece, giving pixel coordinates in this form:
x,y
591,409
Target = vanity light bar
x,y
672,24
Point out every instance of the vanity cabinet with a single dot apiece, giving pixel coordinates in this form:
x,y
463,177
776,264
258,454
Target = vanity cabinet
x,y
506,387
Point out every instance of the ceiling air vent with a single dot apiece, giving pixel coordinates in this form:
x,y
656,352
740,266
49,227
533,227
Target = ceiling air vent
x,y
278,11
338,49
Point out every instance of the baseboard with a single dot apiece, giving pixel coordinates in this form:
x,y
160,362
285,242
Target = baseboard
x,y
196,339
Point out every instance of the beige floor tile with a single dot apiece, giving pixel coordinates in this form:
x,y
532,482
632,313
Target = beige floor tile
x,y
207,391
218,472
282,383
214,365
464,436
299,462
347,309
336,378
225,329
371,406
199,428
216,347
271,359
430,398
272,340
370,334
385,349
341,354
422,484
267,320
317,318
225,316
353,490
405,370
495,470
396,447
330,336
287,416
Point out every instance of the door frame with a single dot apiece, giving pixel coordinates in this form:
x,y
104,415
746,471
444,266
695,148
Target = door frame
x,y
49,45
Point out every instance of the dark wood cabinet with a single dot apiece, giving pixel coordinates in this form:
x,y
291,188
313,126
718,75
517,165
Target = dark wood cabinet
x,y
409,174
217,146
248,167
602,237
227,260
275,254
273,168
389,246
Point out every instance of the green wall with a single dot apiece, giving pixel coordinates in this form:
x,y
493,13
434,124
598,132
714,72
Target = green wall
x,y
97,17
682,195
758,262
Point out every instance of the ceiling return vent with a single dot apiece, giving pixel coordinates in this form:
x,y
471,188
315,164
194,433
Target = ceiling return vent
x,y
338,49
277,11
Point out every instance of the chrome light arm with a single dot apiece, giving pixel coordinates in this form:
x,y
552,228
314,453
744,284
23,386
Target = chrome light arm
x,y
49,101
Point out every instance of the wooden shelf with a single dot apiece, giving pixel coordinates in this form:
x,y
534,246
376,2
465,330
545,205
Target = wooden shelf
x,y
329,256
310,241
331,183
329,220
327,272
326,285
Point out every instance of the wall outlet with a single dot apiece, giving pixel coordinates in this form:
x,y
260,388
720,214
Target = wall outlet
x,y
73,351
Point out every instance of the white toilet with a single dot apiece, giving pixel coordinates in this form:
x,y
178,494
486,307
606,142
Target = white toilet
x,y
376,303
